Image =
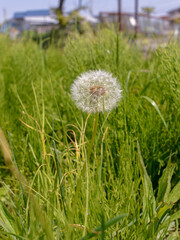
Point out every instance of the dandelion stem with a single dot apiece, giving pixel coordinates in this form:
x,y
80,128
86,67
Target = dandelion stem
x,y
87,200
93,137
79,182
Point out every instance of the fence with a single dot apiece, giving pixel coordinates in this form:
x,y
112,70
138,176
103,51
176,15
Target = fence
x,y
148,25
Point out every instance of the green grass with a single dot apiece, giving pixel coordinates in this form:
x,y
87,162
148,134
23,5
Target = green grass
x,y
130,188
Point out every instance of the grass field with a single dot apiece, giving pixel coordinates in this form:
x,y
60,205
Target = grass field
x,y
61,179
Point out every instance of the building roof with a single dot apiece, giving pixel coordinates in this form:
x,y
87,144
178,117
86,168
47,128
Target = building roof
x,y
174,10
32,13
88,16
40,20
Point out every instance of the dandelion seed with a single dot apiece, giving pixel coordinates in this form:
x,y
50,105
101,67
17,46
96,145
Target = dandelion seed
x,y
96,91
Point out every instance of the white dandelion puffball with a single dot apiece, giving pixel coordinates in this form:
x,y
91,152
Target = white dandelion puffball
x,y
96,91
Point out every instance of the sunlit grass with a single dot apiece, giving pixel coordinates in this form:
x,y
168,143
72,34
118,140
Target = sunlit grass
x,y
48,138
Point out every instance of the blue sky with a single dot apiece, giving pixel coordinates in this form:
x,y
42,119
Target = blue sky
x,y
8,7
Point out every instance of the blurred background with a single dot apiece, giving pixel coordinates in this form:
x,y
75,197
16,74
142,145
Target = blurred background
x,y
149,18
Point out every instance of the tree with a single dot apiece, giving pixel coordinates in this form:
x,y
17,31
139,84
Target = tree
x,y
61,5
64,20
148,10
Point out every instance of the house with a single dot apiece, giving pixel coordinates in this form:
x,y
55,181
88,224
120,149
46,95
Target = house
x,y
41,21
174,15
174,11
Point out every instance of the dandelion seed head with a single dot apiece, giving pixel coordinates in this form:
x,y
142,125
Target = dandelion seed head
x,y
96,91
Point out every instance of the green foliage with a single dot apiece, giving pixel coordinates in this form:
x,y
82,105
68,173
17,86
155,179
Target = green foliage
x,y
156,213
50,139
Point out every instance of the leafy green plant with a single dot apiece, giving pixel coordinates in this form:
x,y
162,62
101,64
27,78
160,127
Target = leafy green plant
x,y
156,212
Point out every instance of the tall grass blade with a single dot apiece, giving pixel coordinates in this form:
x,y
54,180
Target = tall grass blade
x,y
165,183
6,220
11,234
173,217
22,189
149,199
36,207
108,224
174,195
156,108
59,171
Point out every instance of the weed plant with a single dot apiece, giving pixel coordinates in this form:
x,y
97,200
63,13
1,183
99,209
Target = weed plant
x,y
131,188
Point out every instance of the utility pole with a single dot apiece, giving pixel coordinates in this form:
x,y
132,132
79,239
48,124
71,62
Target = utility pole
x,y
136,17
120,15
80,4
4,14
91,7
